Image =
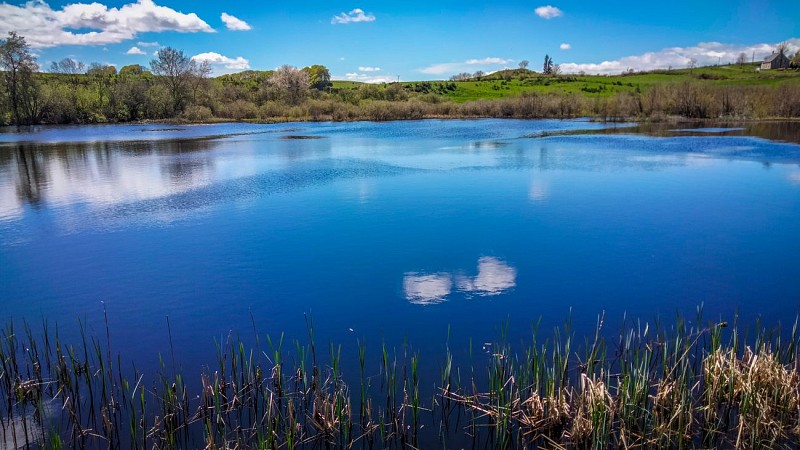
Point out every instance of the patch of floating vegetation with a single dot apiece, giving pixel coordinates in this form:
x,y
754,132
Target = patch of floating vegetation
x,y
710,130
300,137
158,130
647,387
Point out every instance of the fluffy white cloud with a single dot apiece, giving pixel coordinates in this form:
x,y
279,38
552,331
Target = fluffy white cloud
x,y
704,53
136,51
467,66
548,12
354,16
369,69
234,23
148,44
43,26
486,61
365,78
225,62
565,46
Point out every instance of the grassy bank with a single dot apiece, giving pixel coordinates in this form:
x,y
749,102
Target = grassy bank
x,y
643,386
708,93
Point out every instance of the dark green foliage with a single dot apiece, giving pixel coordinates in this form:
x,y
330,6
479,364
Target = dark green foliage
x,y
20,88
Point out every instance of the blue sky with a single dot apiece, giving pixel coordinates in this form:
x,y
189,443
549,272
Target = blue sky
x,y
412,40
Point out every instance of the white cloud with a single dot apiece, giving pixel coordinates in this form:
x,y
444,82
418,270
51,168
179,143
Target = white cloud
x,y
44,27
222,61
548,12
135,51
467,66
565,46
704,53
369,69
365,78
234,23
487,61
148,44
354,16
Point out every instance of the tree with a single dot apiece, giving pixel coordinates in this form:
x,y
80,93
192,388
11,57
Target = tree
x,y
692,63
318,77
133,70
291,83
67,66
741,59
198,75
176,70
18,65
102,75
523,64
796,60
479,74
547,67
783,48
463,76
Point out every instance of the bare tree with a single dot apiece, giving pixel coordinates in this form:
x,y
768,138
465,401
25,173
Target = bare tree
x,y
783,48
555,69
67,66
479,74
291,82
463,76
71,68
198,76
692,63
18,65
177,70
741,59
523,64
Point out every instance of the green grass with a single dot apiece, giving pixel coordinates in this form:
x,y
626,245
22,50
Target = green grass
x,y
509,83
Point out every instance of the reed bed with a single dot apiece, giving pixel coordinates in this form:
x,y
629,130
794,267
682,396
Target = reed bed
x,y
647,386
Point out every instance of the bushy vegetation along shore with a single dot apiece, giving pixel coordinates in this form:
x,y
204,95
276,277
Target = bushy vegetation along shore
x,y
646,386
180,89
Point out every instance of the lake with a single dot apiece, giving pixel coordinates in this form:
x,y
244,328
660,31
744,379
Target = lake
x,y
418,232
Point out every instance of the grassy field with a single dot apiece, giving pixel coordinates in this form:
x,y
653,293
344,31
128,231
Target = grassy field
x,y
510,83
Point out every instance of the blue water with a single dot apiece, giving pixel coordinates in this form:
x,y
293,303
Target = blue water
x,y
390,232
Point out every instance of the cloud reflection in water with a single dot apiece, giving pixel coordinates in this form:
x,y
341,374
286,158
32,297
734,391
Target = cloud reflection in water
x,y
494,278
427,289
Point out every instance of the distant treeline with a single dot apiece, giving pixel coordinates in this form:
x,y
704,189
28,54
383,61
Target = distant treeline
x,y
179,88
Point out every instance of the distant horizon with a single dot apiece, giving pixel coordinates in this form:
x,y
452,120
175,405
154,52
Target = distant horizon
x,y
370,41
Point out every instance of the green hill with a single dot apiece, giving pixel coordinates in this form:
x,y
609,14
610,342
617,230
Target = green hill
x,y
512,82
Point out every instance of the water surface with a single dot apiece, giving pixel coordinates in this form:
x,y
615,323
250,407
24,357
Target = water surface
x,y
395,232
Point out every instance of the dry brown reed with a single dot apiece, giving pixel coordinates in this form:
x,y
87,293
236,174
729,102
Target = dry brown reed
x,y
677,388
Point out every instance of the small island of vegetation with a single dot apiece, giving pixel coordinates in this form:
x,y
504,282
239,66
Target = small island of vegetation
x,y
178,88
